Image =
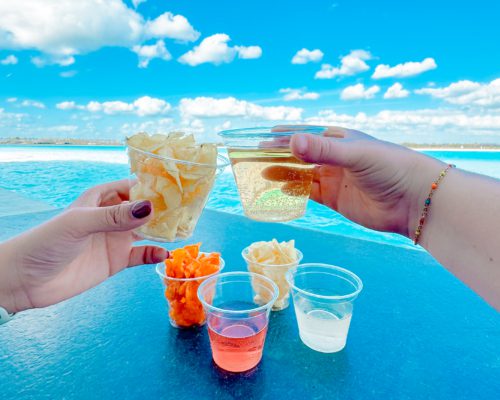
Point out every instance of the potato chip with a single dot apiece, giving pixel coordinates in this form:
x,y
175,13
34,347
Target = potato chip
x,y
177,188
273,259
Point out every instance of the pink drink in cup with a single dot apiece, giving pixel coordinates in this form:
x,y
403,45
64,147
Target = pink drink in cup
x,y
237,306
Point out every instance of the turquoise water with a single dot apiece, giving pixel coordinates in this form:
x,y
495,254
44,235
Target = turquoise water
x,y
58,175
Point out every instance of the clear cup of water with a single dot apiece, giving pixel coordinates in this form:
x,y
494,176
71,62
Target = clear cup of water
x,y
323,297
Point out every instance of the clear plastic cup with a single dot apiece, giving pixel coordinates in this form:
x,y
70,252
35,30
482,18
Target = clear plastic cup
x,y
277,273
323,298
184,307
273,184
237,305
178,190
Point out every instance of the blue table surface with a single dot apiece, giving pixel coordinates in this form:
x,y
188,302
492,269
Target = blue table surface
x,y
416,333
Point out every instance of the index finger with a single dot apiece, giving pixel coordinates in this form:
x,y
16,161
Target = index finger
x,y
338,132
114,192
344,133
106,194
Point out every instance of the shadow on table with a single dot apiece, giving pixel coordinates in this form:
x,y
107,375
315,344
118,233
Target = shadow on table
x,y
190,367
299,370
244,385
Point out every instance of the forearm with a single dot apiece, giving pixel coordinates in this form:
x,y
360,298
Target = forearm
x,y
462,229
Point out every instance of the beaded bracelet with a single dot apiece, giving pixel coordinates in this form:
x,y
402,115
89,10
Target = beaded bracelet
x,y
427,203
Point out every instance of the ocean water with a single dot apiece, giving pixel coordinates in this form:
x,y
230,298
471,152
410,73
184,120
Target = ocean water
x,y
58,174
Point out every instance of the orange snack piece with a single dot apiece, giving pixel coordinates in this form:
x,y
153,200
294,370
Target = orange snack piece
x,y
187,263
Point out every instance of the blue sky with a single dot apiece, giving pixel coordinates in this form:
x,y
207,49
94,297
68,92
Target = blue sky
x,y
105,69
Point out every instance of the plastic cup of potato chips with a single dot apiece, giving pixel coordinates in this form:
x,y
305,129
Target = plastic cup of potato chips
x,y
184,307
273,184
176,175
274,259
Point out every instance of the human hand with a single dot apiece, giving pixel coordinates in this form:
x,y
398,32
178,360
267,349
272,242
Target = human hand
x,y
89,242
374,183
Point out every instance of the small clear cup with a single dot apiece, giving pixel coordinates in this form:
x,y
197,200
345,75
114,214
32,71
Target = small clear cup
x,y
275,272
178,190
184,307
273,184
237,305
323,297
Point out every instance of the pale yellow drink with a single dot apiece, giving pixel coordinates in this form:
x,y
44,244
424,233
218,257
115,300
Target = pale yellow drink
x,y
273,184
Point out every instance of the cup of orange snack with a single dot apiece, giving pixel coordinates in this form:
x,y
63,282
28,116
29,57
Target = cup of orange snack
x,y
176,174
273,259
182,273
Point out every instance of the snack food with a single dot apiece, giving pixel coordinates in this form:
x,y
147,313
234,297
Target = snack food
x,y
176,175
273,259
182,273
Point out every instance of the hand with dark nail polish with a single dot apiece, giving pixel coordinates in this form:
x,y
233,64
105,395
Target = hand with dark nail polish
x,y
76,250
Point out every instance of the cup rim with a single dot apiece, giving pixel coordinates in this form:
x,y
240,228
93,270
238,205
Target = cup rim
x,y
162,275
267,131
224,161
300,256
268,305
344,271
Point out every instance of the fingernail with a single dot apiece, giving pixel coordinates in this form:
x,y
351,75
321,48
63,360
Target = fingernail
x,y
141,209
300,144
161,254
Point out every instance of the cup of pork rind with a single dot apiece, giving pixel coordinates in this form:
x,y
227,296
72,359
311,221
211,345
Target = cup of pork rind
x,y
273,259
176,175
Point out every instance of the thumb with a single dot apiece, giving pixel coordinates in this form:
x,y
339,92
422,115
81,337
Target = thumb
x,y
323,150
122,217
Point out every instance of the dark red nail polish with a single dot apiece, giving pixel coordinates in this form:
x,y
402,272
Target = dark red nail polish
x,y
141,209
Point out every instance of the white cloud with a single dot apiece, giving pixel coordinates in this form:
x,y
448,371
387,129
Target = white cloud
x,y
143,106
193,125
224,126
32,103
214,49
298,94
9,60
62,29
396,91
161,125
431,125
42,61
69,105
248,52
148,52
467,93
68,74
171,26
63,128
358,91
404,70
67,27
11,99
210,107
137,2
11,116
351,64
110,107
305,56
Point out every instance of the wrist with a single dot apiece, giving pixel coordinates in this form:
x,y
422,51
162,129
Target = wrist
x,y
12,295
425,171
